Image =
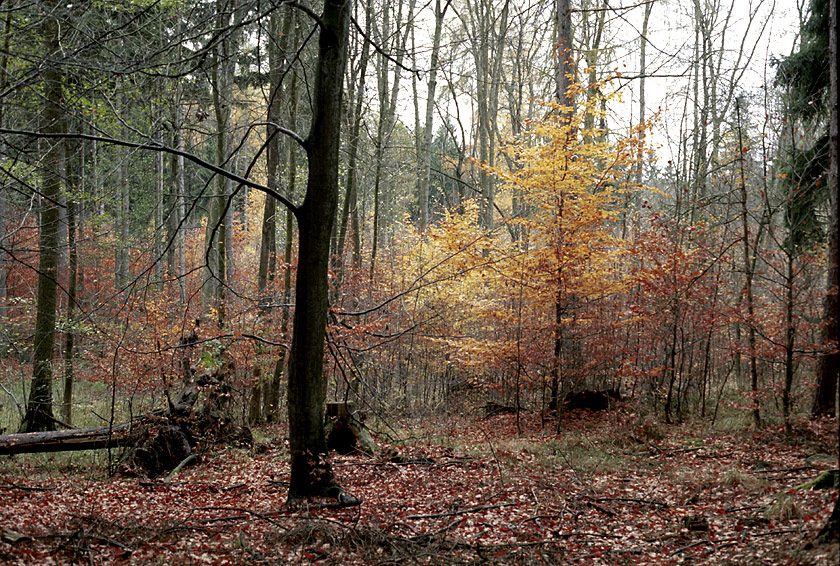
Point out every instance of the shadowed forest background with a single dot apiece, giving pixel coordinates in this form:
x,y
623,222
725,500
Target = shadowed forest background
x,y
518,223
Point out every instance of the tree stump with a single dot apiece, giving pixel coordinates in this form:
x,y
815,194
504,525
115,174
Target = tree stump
x,y
346,431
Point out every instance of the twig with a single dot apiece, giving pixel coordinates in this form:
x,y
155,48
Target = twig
x,y
14,399
744,508
629,500
692,545
24,488
180,466
730,541
603,510
263,516
537,518
783,470
586,534
668,451
224,519
495,457
460,511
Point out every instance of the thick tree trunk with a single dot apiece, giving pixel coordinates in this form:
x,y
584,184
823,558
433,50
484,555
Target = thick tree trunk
x,y
311,473
831,529
39,416
829,363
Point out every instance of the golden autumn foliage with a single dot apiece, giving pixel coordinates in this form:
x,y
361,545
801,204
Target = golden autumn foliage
x,y
548,272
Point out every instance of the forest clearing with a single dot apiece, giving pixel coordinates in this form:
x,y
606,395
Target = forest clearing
x,y
442,282
611,489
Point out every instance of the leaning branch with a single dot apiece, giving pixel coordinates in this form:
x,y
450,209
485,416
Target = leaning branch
x,y
157,146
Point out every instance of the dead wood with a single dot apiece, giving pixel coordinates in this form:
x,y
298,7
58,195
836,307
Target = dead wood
x,y
157,442
64,440
346,431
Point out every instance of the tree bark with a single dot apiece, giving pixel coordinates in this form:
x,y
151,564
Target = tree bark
x,y
565,62
72,280
273,397
831,529
387,112
748,274
829,363
216,231
268,242
39,415
4,81
311,472
563,75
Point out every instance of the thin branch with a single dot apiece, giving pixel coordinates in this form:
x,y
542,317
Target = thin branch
x,y
381,51
153,145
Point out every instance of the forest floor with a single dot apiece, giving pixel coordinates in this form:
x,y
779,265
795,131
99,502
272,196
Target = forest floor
x,y
610,489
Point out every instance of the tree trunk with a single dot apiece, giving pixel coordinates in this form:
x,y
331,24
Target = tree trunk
x,y
748,274
387,111
123,204
563,73
425,175
181,208
39,415
4,81
72,280
349,209
216,232
831,529
311,472
268,243
565,63
829,363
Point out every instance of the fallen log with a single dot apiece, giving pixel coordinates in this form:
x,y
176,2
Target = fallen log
x,y
110,436
156,442
65,440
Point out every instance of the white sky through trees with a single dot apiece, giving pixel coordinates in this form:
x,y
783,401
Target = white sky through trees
x,y
747,35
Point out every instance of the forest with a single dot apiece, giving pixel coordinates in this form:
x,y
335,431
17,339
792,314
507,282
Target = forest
x,y
441,282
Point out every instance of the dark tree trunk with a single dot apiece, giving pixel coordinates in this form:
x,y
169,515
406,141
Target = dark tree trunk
x,y
831,529
311,473
38,415
72,284
829,365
